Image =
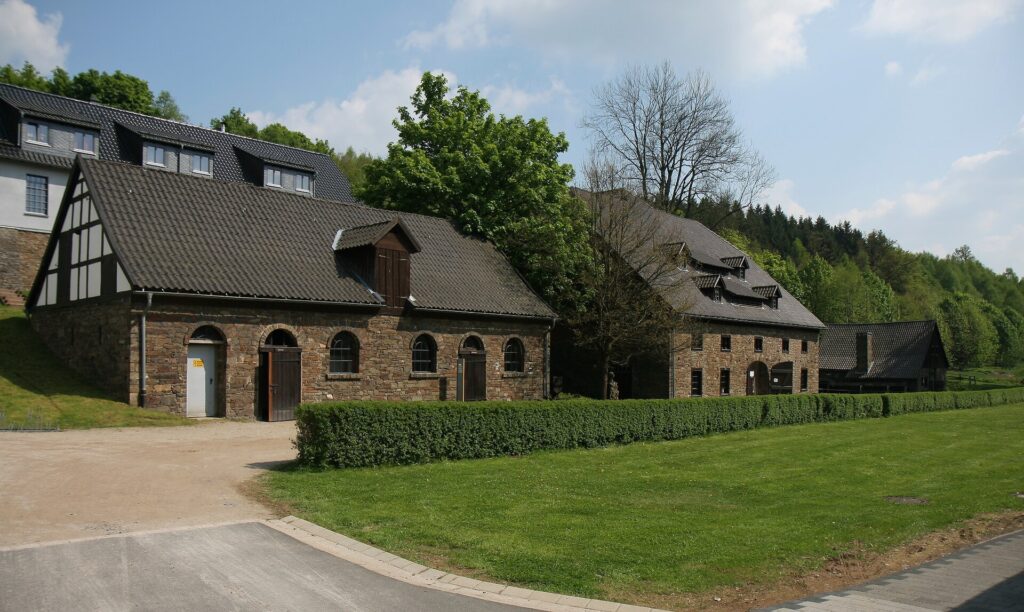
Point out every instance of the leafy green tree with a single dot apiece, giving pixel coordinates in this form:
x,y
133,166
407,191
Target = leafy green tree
x,y
782,270
495,177
236,122
276,132
27,77
167,107
970,337
119,89
881,297
816,278
353,165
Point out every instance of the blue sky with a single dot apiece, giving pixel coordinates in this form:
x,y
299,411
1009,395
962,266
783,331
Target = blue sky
x,y
902,115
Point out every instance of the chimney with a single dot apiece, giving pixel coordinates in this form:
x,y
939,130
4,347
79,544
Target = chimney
x,y
865,352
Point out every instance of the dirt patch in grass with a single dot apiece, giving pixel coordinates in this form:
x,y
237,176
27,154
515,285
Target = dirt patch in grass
x,y
840,572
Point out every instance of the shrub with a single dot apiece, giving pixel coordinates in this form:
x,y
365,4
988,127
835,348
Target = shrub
x,y
355,434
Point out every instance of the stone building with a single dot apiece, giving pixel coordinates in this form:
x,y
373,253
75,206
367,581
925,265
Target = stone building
x,y
739,332
41,134
211,298
883,357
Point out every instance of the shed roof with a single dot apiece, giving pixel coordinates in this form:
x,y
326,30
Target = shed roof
x,y
899,349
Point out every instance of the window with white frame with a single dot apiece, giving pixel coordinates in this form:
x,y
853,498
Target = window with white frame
x,y
273,177
154,155
302,182
37,194
200,163
38,133
85,142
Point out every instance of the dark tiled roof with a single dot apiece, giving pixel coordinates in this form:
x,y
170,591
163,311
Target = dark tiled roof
x,y
10,151
734,261
180,233
898,349
707,281
699,240
330,183
172,134
768,291
364,235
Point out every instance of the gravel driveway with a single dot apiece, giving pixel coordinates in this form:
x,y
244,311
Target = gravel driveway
x,y
79,484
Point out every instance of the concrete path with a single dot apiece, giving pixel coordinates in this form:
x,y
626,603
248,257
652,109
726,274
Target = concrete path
x,y
77,484
986,577
245,566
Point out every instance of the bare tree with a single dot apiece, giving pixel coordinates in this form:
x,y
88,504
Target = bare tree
x,y
675,138
634,278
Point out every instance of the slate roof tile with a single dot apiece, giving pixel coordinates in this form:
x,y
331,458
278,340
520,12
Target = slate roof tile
x,y
899,349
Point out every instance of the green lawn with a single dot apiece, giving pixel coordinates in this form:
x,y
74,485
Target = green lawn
x,y
985,378
37,390
660,519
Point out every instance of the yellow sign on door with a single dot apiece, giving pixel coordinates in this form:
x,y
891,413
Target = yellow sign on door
x,y
197,363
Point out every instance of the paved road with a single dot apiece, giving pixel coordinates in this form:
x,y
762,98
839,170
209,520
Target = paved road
x,y
79,484
986,577
245,566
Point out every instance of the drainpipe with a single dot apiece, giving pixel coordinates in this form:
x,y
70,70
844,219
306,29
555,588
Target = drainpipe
x,y
547,360
142,350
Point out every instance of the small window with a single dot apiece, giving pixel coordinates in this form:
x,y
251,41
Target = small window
x,y
803,379
37,133
696,382
724,382
741,272
200,163
758,344
697,342
302,182
717,294
803,346
515,356
273,177
37,195
154,155
774,303
473,343
85,142
281,337
726,343
785,345
344,354
424,354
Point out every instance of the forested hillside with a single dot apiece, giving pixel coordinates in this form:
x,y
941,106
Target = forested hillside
x,y
845,276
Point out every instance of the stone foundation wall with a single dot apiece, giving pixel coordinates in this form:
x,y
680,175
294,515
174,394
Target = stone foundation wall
x,y
742,354
20,255
385,360
92,339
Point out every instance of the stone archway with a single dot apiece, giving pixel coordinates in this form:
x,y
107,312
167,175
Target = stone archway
x,y
782,378
757,379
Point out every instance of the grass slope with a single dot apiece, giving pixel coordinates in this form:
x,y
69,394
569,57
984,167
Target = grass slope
x,y
35,387
684,516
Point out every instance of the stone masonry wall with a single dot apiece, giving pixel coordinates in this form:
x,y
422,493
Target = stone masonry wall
x,y
92,339
20,255
712,359
385,360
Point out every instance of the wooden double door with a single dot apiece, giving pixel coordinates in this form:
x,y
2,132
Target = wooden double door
x,y
474,376
281,383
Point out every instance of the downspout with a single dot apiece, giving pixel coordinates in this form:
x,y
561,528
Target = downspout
x,y
142,350
547,360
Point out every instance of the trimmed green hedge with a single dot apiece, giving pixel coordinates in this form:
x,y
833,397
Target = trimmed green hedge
x,y
355,434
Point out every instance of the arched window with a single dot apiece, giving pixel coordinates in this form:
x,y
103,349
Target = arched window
x,y
515,355
344,354
281,337
424,354
208,333
473,343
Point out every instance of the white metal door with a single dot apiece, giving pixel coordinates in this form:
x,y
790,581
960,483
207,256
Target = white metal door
x,y
201,395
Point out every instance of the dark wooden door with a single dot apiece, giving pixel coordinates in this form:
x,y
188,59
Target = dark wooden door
x,y
283,378
474,377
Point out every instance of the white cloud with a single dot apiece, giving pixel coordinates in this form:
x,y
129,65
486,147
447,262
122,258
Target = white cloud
x,y
926,73
753,38
944,21
510,100
26,37
781,193
978,201
893,69
362,120
972,162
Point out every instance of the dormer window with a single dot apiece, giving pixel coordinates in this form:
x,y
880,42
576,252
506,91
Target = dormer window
x,y
741,273
378,255
37,133
154,155
273,177
302,182
85,142
717,295
200,163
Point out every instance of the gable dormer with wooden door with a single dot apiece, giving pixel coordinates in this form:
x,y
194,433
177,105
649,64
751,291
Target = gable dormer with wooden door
x,y
378,255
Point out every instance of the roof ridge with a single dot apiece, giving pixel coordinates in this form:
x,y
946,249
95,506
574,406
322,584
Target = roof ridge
x,y
172,121
882,323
